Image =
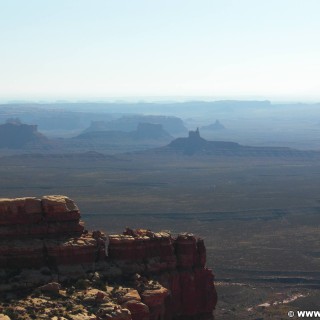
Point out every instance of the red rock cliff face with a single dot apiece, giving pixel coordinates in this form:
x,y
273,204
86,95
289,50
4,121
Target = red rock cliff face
x,y
168,275
45,232
178,263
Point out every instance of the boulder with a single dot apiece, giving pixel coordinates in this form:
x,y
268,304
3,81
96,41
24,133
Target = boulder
x,y
130,296
155,297
95,296
52,287
111,311
139,311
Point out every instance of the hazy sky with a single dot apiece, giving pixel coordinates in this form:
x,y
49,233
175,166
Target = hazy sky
x,y
105,48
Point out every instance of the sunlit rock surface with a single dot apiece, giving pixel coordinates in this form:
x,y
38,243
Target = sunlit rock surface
x,y
52,268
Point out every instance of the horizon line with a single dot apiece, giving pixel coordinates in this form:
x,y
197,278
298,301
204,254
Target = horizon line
x,y
153,99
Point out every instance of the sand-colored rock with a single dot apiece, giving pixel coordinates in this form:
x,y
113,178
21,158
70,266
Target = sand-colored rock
x,y
95,296
155,297
58,203
139,311
59,208
113,312
129,296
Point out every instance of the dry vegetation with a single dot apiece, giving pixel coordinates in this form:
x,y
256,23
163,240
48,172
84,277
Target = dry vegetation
x,y
259,216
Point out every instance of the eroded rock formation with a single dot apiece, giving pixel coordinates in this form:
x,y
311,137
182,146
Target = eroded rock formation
x,y
178,264
45,232
16,135
47,254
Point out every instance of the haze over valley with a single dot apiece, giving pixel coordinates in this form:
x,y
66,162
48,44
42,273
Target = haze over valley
x,y
256,204
252,123
156,155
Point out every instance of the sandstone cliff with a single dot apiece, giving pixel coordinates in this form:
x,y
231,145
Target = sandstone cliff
x,y
52,268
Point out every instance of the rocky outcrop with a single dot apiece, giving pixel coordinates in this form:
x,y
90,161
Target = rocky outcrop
x,y
194,143
145,276
177,263
45,232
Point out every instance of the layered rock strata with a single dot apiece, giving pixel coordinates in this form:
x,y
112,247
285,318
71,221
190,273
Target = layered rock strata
x,y
46,232
177,263
145,276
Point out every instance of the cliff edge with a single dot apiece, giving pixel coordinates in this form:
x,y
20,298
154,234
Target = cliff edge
x,y
52,268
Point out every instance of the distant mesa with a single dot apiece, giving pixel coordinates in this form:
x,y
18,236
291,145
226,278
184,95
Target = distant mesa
x,y
195,144
16,135
217,125
172,125
144,131
151,131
